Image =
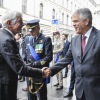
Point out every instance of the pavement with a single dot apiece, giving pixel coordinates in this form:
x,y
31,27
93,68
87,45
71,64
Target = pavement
x,y
53,94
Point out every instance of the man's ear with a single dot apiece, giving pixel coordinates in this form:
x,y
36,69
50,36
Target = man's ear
x,y
9,22
87,21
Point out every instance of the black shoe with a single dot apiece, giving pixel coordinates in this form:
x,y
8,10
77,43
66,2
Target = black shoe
x,y
22,80
64,76
59,88
69,94
19,78
25,89
56,84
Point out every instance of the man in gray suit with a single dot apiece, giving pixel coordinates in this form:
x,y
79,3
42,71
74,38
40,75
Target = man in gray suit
x,y
85,52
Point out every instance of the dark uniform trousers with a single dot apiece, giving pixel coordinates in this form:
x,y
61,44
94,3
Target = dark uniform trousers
x,y
42,94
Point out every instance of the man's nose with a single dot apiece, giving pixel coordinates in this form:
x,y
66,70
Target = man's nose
x,y
73,24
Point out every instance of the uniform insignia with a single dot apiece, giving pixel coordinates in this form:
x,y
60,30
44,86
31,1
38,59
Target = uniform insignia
x,y
39,48
42,62
40,41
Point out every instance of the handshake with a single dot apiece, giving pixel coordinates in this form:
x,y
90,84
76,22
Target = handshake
x,y
46,72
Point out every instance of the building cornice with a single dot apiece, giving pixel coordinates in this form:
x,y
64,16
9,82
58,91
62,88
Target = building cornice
x,y
93,2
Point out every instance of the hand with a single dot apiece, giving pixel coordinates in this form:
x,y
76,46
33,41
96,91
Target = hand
x,y
46,72
69,66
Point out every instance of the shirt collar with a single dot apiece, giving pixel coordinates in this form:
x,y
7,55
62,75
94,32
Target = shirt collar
x,y
9,32
37,36
88,32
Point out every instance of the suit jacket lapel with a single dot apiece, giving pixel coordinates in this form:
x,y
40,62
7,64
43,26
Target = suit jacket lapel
x,y
91,40
7,32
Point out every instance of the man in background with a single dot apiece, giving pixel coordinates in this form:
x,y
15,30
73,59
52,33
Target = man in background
x,y
66,47
18,38
58,54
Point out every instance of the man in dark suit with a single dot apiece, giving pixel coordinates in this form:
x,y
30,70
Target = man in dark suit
x,y
85,52
65,49
11,64
42,46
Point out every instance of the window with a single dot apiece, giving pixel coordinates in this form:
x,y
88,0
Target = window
x,y
53,14
62,18
1,3
67,4
71,6
24,6
67,19
63,2
75,6
41,10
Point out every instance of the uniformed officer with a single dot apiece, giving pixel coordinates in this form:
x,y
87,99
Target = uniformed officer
x,y
39,53
58,54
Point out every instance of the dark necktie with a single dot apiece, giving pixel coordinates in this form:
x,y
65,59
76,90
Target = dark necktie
x,y
34,39
31,40
83,43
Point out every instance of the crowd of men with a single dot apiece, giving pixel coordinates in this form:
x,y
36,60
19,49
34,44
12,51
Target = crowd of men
x,y
31,58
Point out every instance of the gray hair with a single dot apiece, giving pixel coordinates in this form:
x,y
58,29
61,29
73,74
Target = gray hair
x,y
10,15
84,13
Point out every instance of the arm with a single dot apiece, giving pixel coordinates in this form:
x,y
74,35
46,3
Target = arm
x,y
62,63
68,44
13,61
